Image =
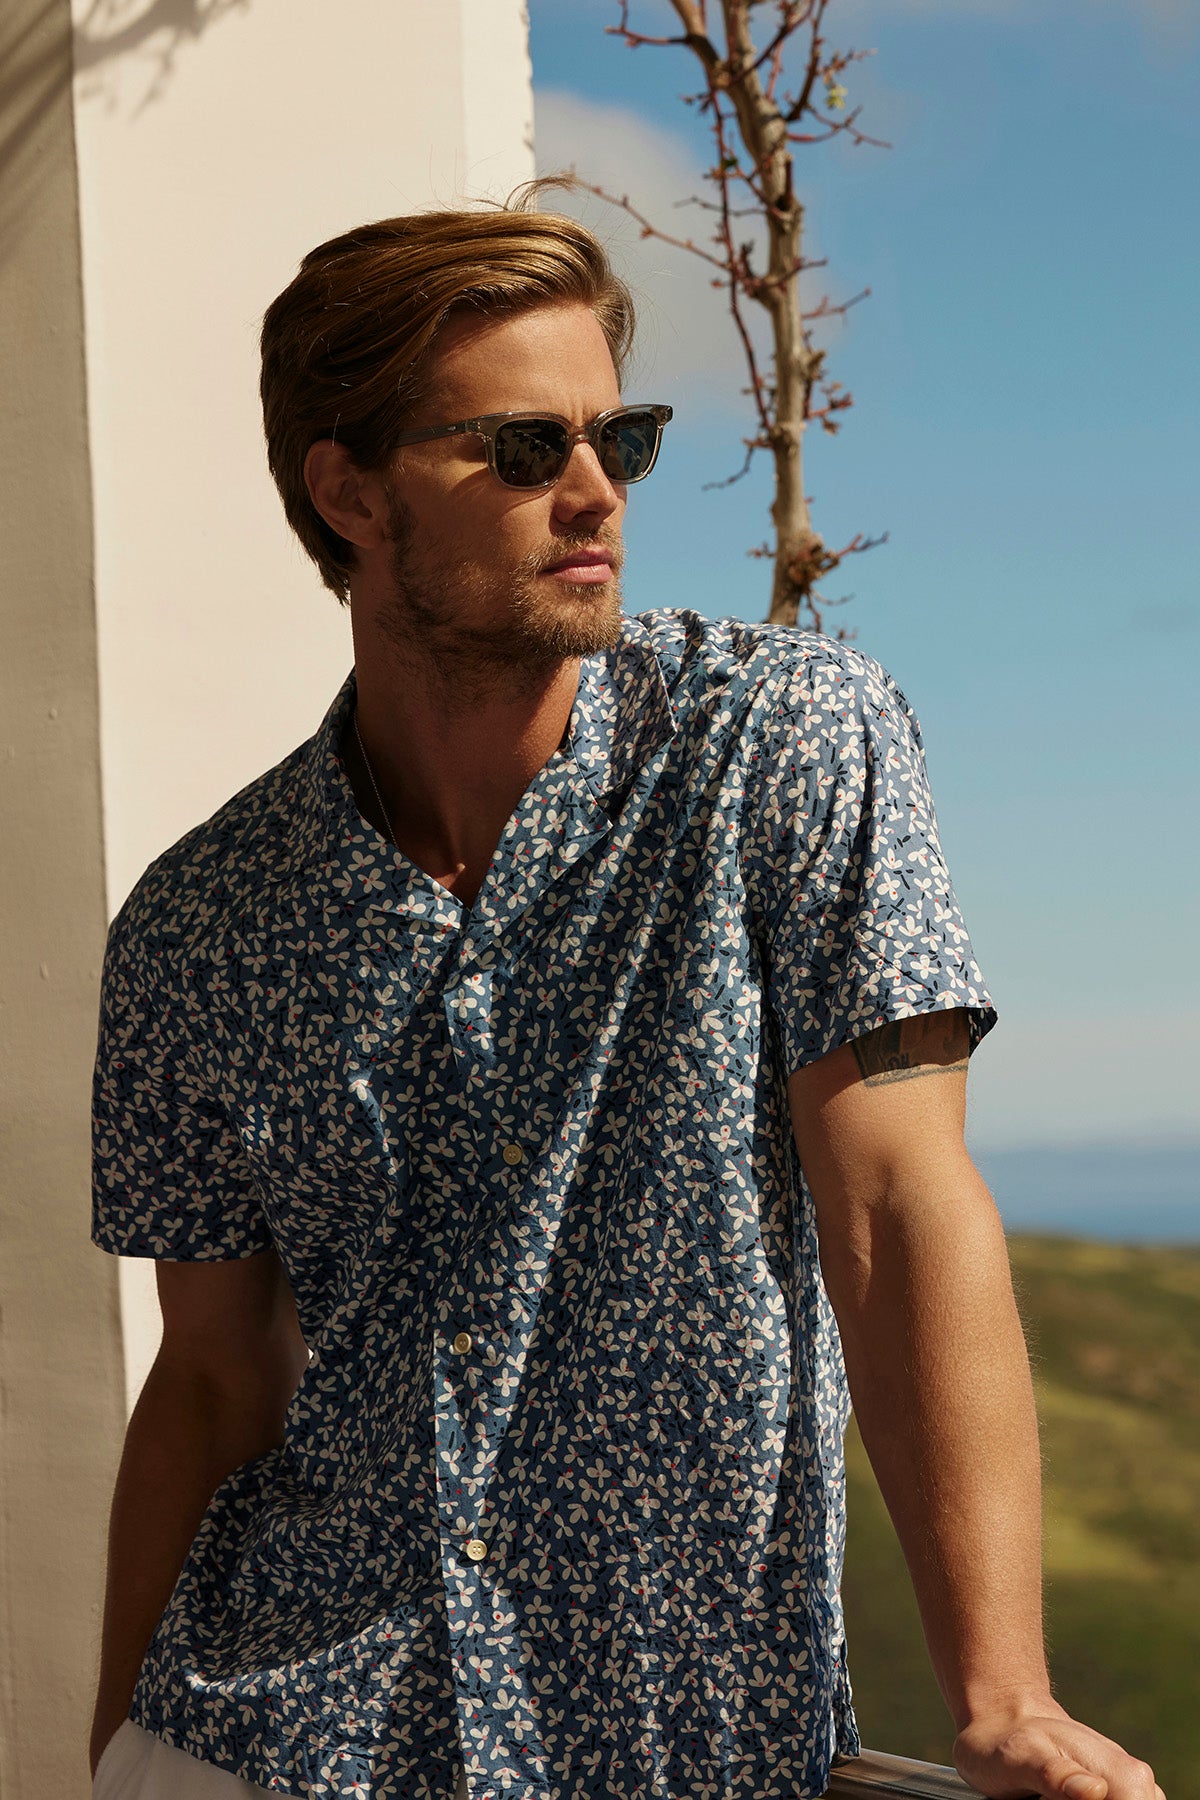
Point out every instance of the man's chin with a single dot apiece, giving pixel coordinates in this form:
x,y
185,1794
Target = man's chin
x,y
586,620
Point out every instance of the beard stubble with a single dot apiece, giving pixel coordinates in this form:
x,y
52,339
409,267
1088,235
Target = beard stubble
x,y
475,634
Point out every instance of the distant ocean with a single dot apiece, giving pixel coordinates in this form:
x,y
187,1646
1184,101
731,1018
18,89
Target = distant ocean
x,y
1127,1194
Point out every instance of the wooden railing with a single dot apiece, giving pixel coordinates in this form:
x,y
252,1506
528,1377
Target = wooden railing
x,y
874,1776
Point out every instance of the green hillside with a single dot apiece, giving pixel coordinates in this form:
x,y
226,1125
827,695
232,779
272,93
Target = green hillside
x,y
1114,1333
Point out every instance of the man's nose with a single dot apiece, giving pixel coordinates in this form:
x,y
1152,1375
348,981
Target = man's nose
x,y
583,487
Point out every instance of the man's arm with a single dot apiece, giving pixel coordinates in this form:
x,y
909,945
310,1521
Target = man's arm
x,y
231,1358
915,1264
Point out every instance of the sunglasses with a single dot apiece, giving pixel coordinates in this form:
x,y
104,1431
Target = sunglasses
x,y
531,450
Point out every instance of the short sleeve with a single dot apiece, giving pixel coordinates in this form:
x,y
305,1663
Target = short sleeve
x,y
169,1177
858,919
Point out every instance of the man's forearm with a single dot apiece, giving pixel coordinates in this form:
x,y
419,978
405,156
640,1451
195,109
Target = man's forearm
x,y
940,1381
181,1443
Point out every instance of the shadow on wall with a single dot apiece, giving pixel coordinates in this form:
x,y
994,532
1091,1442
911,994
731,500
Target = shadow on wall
x,y
107,29
39,53
35,60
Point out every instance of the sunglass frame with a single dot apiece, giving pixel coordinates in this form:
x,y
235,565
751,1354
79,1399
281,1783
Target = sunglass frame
x,y
487,425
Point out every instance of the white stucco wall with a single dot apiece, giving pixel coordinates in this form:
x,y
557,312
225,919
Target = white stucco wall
x,y
282,123
214,150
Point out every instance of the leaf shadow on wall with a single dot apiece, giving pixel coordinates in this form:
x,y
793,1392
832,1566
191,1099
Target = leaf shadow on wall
x,y
152,31
41,54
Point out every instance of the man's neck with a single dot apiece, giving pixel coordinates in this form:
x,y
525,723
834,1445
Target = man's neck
x,y
449,776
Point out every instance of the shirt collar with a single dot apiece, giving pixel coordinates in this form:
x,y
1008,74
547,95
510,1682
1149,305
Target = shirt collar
x,y
622,714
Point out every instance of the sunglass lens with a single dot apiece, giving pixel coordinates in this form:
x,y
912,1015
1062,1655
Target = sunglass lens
x,y
627,445
529,452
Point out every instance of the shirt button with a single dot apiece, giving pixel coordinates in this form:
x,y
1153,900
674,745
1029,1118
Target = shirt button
x,y
476,1549
462,1343
513,1154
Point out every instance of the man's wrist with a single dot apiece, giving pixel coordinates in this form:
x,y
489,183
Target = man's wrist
x,y
1012,1701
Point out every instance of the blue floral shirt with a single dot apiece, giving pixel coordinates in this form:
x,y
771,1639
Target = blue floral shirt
x,y
560,1495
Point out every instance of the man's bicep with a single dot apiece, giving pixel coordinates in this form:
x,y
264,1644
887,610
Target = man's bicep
x,y
881,1106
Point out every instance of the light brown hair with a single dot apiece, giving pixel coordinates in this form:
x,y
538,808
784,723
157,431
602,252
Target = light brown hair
x,y
348,347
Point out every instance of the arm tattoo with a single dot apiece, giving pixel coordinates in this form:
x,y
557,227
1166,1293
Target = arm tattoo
x,y
931,1044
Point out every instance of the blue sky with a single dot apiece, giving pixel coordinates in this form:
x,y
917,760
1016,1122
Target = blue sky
x,y
1026,429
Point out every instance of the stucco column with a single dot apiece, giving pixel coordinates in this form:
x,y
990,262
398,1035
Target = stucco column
x,y
60,1339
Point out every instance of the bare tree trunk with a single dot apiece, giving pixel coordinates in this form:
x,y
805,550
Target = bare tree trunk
x,y
745,79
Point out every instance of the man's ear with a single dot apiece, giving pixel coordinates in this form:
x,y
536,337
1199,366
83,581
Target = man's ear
x,y
353,501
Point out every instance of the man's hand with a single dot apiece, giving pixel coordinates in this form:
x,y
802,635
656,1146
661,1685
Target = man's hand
x,y
1046,1752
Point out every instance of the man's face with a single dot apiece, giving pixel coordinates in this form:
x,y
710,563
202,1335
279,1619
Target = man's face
x,y
471,561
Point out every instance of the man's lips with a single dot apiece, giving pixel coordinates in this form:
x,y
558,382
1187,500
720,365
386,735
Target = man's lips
x,y
581,559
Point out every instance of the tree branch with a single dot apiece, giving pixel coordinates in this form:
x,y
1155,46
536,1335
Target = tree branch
x,y
766,126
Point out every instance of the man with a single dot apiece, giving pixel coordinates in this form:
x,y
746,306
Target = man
x,y
512,1047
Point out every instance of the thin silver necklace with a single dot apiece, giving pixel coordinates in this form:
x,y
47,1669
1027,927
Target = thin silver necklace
x,y
362,748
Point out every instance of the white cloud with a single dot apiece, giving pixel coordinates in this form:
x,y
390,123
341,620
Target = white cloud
x,y
688,351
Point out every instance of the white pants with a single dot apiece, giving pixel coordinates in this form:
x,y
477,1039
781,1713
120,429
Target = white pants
x,y
136,1765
